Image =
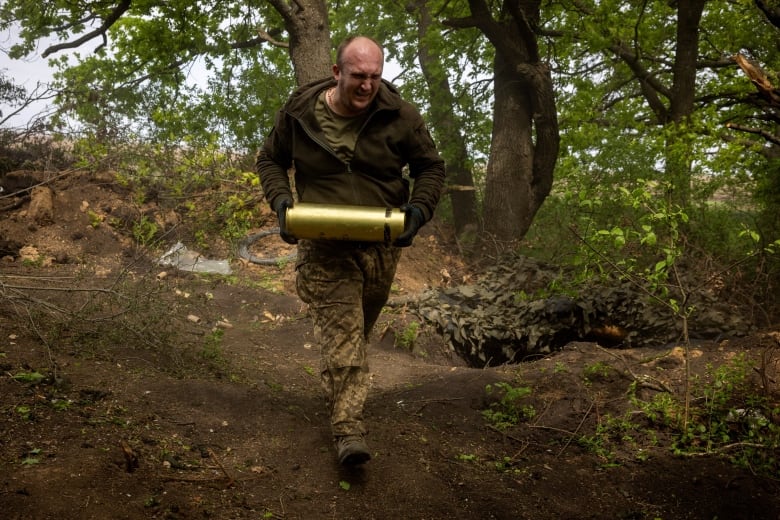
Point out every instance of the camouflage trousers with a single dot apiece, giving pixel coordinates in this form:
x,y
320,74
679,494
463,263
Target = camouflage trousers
x,y
345,285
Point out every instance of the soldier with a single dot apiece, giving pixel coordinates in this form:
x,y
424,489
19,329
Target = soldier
x,y
348,139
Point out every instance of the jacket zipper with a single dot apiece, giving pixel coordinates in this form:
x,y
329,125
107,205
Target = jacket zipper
x,y
330,150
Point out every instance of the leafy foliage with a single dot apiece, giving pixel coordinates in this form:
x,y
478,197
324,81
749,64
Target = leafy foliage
x,y
10,92
161,71
188,81
211,187
508,408
730,418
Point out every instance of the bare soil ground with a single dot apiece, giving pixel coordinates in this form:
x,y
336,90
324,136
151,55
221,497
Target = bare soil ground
x,y
176,395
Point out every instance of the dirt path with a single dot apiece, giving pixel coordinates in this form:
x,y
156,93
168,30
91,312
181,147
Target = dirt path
x,y
253,442
208,404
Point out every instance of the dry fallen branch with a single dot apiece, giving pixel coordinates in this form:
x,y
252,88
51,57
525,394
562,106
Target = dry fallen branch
x,y
644,380
510,436
221,467
27,190
574,433
728,447
64,289
131,459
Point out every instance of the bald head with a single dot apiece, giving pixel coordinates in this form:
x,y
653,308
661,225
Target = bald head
x,y
358,74
358,46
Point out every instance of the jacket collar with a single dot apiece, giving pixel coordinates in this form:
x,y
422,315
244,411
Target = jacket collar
x,y
303,98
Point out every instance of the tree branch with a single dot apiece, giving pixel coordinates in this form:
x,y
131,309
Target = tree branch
x,y
118,11
480,18
41,92
74,23
488,25
284,9
757,131
264,36
527,32
650,85
771,10
247,44
759,79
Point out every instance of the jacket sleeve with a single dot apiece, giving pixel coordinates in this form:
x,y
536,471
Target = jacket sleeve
x,y
274,160
426,168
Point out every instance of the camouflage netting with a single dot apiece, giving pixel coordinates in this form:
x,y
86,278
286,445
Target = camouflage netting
x,y
498,320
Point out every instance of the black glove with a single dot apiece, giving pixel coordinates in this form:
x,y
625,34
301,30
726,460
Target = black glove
x,y
281,215
413,221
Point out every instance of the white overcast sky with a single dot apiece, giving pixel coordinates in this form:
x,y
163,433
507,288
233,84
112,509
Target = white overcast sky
x,y
34,69
27,73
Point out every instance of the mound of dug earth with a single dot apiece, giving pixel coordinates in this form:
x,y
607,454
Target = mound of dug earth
x,y
130,390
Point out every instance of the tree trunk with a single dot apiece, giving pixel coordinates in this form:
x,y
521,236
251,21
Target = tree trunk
x,y
306,21
679,148
519,171
525,141
460,182
681,95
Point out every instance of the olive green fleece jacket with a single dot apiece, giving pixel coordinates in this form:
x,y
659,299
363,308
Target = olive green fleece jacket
x,y
393,136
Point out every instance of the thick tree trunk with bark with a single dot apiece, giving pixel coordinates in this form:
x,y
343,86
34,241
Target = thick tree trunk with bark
x,y
520,169
306,21
460,182
672,105
525,142
680,150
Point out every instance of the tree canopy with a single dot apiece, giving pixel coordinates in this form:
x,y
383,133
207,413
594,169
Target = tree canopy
x,y
634,91
170,69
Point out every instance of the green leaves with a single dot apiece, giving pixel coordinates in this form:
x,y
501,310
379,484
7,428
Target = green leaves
x,y
507,408
33,377
161,71
617,235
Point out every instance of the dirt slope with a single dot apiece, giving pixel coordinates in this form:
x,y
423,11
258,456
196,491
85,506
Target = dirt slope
x,y
220,415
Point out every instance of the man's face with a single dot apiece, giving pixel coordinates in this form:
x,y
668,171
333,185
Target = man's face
x,y
359,77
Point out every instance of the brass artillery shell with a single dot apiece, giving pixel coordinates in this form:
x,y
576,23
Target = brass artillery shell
x,y
357,223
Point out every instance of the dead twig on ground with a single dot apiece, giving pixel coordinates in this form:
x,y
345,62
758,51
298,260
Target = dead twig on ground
x,y
642,379
131,459
582,421
727,447
221,467
508,436
30,188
